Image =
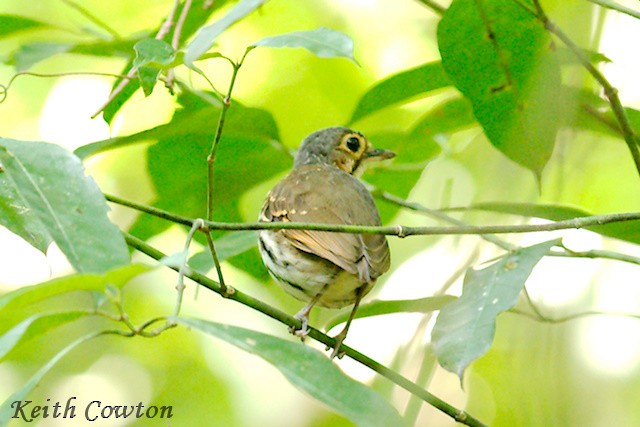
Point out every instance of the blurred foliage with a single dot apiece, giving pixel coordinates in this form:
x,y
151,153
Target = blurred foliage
x,y
493,120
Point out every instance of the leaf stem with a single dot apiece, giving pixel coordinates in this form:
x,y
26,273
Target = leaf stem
x,y
247,300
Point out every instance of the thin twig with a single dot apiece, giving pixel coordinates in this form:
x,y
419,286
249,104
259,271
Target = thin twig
x,y
226,290
435,7
211,158
393,230
247,300
91,17
630,137
175,40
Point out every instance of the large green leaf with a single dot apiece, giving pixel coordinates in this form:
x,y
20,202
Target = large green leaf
x,y
60,201
322,42
207,35
465,328
404,86
309,370
501,58
10,24
627,230
26,295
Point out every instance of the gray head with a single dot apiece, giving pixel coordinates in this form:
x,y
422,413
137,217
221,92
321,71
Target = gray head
x,y
342,147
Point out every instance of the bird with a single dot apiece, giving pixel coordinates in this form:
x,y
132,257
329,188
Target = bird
x,y
326,269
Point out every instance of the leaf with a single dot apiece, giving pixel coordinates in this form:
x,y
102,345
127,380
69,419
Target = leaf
x,y
77,282
207,35
402,87
227,246
502,59
6,411
447,118
628,230
62,202
153,51
148,76
322,42
198,14
10,24
34,326
30,54
310,371
380,307
465,328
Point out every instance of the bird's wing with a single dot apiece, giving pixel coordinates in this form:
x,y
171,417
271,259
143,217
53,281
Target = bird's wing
x,y
319,194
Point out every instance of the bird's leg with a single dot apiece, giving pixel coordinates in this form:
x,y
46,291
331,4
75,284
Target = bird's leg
x,y
303,316
343,334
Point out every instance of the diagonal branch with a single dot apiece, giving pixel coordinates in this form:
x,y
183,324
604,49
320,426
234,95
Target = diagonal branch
x,y
245,299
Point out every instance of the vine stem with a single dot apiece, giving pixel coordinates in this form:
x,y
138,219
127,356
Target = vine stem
x,y
392,230
247,300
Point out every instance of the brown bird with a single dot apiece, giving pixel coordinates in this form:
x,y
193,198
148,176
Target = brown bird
x,y
328,269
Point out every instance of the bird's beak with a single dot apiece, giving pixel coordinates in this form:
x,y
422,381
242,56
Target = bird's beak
x,y
379,154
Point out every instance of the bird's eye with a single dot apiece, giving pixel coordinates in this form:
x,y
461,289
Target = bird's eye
x,y
353,144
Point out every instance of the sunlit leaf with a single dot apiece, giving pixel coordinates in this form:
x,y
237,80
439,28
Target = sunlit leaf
x,y
501,58
465,328
6,411
207,35
61,200
322,42
311,371
34,326
404,86
380,307
77,282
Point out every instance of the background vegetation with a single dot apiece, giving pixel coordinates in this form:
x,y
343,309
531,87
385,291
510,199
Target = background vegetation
x,y
501,112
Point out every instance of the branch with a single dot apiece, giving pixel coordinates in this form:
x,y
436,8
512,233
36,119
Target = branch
x,y
245,299
393,230
630,137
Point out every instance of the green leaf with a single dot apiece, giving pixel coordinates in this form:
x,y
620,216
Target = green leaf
x,y
502,59
198,15
148,76
153,51
628,230
35,326
207,35
310,371
10,24
227,246
465,328
26,295
63,202
380,307
402,87
322,42
449,117
6,411
30,54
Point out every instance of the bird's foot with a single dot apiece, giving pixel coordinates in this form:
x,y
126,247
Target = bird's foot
x,y
304,329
